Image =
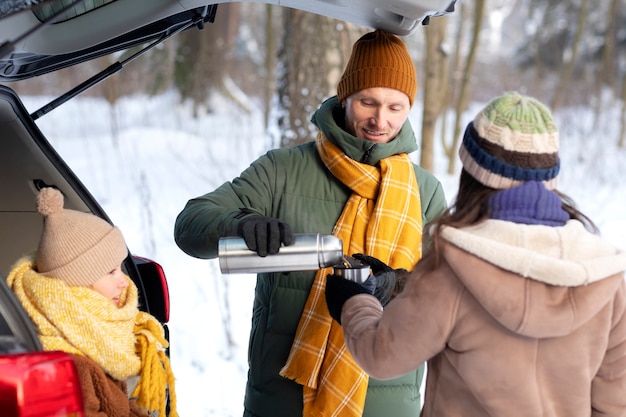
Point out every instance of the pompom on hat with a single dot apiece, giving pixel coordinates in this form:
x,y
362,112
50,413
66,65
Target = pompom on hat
x,y
512,140
78,248
378,59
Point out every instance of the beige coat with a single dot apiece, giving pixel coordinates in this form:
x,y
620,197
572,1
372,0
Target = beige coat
x,y
518,320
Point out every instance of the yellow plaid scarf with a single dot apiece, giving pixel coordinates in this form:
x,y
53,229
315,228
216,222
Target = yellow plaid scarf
x,y
124,341
382,218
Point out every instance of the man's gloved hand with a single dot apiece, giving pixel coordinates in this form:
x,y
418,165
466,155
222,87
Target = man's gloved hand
x,y
389,281
264,235
339,290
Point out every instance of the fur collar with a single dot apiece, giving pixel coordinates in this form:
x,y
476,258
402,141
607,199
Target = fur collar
x,y
568,255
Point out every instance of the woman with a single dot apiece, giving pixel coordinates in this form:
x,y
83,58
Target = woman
x,y
518,306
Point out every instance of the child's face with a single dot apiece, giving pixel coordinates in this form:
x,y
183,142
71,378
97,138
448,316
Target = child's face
x,y
112,285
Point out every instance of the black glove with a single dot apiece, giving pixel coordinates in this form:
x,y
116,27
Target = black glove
x,y
339,290
264,235
389,281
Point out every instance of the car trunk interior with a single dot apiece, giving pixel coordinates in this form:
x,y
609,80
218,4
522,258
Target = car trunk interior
x,y
27,162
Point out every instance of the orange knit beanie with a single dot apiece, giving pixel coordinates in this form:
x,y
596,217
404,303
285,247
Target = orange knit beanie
x,y
78,248
378,59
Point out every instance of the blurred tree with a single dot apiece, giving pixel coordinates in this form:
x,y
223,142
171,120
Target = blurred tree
x,y
310,62
435,88
621,140
605,71
270,64
195,69
159,76
112,94
204,58
464,88
571,57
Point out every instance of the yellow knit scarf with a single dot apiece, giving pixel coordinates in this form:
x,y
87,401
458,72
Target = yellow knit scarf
x,y
382,218
124,341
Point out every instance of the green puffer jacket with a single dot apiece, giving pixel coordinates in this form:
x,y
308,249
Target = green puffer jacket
x,y
294,185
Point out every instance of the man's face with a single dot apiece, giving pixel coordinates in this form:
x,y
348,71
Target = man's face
x,y
376,114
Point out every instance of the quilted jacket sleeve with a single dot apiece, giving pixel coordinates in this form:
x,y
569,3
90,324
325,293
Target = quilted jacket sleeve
x,y
206,218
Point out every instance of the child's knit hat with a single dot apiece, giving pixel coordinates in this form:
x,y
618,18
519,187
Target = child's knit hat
x,y
512,140
78,248
378,59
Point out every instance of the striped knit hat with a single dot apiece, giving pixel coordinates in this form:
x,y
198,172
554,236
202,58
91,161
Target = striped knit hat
x,y
511,141
378,59
78,248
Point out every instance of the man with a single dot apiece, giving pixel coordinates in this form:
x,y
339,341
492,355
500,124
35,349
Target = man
x,y
355,181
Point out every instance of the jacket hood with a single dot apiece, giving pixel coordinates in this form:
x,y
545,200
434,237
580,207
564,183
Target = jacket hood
x,y
538,281
329,120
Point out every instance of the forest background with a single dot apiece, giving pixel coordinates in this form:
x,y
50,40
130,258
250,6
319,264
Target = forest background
x,y
286,62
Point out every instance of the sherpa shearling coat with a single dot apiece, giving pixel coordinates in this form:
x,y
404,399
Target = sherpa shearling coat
x,y
519,320
294,185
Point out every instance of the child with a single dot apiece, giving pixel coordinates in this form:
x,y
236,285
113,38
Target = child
x,y
81,302
517,305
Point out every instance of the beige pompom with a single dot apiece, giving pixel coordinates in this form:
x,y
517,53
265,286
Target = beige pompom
x,y
49,201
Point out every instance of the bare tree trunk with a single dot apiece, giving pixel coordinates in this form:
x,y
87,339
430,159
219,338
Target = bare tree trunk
x,y
464,94
230,35
538,63
311,63
605,74
158,69
111,89
455,79
204,57
621,140
569,67
270,65
226,43
435,88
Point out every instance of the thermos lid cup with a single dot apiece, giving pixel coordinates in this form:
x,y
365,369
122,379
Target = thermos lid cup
x,y
352,269
358,275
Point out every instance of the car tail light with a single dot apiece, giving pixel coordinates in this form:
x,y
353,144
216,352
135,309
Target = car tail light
x,y
155,283
40,384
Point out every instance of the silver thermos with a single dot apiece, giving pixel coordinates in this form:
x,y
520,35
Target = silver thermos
x,y
308,252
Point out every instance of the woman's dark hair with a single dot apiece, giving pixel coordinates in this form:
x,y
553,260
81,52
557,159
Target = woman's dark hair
x,y
471,207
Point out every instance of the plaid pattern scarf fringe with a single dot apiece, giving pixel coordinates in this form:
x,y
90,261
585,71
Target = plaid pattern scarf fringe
x,y
382,218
